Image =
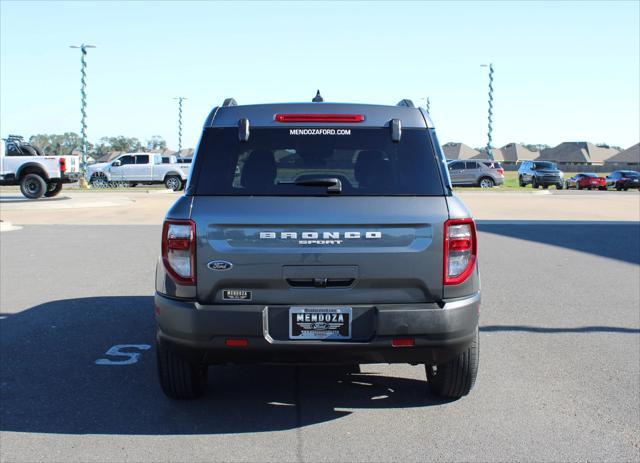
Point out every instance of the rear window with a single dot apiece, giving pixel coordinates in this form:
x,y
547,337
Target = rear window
x,y
492,164
365,160
544,165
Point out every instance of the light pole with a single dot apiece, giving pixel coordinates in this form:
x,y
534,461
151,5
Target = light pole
x,y
490,113
427,104
180,100
83,96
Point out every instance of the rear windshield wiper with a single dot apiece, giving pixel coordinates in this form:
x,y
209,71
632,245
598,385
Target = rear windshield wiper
x,y
334,185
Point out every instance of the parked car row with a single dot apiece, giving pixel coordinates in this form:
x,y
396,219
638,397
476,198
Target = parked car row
x,y
619,179
489,173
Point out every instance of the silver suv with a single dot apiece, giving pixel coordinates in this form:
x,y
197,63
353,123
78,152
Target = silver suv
x,y
482,173
318,233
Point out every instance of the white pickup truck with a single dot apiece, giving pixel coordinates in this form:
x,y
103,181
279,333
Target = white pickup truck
x,y
38,175
134,168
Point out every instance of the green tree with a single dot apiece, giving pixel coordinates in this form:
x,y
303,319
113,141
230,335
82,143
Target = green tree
x,y
156,142
121,143
59,144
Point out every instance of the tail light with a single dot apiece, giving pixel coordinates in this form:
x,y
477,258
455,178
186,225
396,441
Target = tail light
x,y
179,250
501,171
460,250
63,165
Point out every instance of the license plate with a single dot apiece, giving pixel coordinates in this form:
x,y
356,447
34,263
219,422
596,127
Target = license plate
x,y
320,322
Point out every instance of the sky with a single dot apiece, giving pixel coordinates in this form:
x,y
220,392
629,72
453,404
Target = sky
x,y
564,71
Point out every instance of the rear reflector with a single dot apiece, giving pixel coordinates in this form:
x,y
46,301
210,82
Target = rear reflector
x,y
237,342
340,118
403,342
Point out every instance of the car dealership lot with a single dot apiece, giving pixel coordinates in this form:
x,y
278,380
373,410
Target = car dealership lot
x,y
139,206
560,349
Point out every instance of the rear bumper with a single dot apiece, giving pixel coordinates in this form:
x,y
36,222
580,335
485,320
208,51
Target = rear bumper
x,y
199,332
70,177
550,180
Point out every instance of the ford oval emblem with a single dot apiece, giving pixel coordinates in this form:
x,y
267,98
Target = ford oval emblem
x,y
220,265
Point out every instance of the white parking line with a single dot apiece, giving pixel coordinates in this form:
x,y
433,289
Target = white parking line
x,y
7,226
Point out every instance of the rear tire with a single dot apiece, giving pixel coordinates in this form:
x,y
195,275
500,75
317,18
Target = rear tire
x,y
455,378
559,186
53,189
521,181
33,186
618,188
179,379
486,182
99,181
173,182
545,186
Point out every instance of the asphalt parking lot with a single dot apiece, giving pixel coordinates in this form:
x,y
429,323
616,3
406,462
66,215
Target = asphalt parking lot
x,y
559,371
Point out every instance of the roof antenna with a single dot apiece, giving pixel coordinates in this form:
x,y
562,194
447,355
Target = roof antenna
x,y
318,98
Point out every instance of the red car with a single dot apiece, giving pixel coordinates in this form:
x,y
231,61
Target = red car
x,y
588,181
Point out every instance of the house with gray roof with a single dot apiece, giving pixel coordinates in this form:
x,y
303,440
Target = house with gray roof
x,y
514,152
630,156
577,153
497,154
459,151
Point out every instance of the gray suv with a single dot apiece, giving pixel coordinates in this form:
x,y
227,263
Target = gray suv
x,y
318,233
540,174
485,174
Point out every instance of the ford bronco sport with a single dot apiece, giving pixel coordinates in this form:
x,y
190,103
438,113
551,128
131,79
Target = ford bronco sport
x,y
318,233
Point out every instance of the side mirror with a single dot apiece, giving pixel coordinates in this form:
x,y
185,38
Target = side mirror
x,y
116,164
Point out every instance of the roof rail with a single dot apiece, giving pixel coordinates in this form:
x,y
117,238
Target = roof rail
x,y
406,102
229,102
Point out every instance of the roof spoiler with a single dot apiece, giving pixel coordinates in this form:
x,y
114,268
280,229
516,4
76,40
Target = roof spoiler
x,y
406,102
